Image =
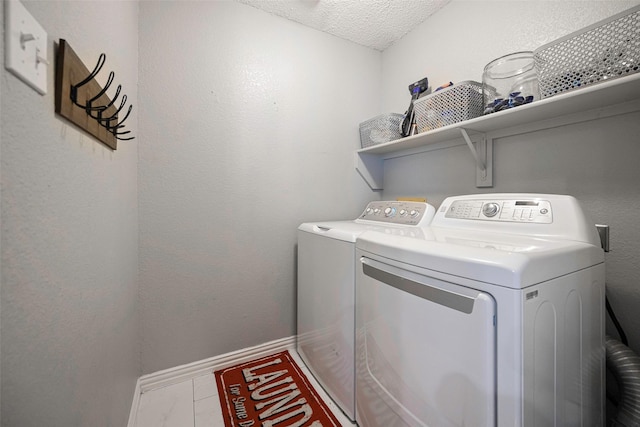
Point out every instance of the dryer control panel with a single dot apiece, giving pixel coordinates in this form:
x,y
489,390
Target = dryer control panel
x,y
524,210
553,216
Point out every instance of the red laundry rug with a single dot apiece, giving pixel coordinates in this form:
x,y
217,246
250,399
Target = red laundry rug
x,y
270,392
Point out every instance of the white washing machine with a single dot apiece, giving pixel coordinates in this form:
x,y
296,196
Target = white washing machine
x,y
326,290
493,318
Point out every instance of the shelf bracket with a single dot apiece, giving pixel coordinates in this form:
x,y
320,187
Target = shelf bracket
x,y
370,167
483,156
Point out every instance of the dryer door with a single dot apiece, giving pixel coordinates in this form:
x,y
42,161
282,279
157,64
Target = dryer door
x,y
425,350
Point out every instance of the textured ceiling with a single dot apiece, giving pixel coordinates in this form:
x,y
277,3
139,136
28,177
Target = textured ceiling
x,y
373,23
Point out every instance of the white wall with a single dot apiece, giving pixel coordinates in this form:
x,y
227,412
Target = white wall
x,y
457,41
70,346
594,161
248,125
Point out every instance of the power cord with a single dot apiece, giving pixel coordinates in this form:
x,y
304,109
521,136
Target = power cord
x,y
614,319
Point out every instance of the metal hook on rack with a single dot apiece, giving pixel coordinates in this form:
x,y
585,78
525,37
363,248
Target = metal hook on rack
x,y
96,111
104,121
114,128
88,106
126,116
91,76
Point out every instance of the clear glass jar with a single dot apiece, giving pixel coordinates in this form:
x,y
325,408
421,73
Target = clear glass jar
x,y
509,81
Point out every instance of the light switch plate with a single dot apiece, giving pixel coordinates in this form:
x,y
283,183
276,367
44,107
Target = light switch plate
x,y
25,46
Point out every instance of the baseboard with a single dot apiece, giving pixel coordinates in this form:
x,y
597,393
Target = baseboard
x,y
181,373
133,413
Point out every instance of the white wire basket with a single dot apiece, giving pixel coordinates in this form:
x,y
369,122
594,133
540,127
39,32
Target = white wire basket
x,y
462,101
380,129
606,50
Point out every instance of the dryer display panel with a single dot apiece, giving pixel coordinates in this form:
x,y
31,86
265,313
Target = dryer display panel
x,y
425,350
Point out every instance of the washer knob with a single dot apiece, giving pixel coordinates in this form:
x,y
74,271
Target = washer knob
x,y
389,212
414,213
490,209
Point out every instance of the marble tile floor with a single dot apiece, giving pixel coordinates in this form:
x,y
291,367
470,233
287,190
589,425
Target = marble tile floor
x,y
194,402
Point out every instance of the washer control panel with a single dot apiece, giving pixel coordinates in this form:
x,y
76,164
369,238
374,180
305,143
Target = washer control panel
x,y
398,212
525,210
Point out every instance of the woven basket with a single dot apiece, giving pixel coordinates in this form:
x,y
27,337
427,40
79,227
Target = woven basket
x,y
462,101
380,129
606,50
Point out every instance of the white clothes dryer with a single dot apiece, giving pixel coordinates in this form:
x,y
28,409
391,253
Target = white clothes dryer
x,y
493,318
326,290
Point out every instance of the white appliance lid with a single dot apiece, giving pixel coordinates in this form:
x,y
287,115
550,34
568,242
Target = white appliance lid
x,y
385,216
501,259
349,231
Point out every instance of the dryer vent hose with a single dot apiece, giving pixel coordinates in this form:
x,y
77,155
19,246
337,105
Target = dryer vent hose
x,y
624,364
